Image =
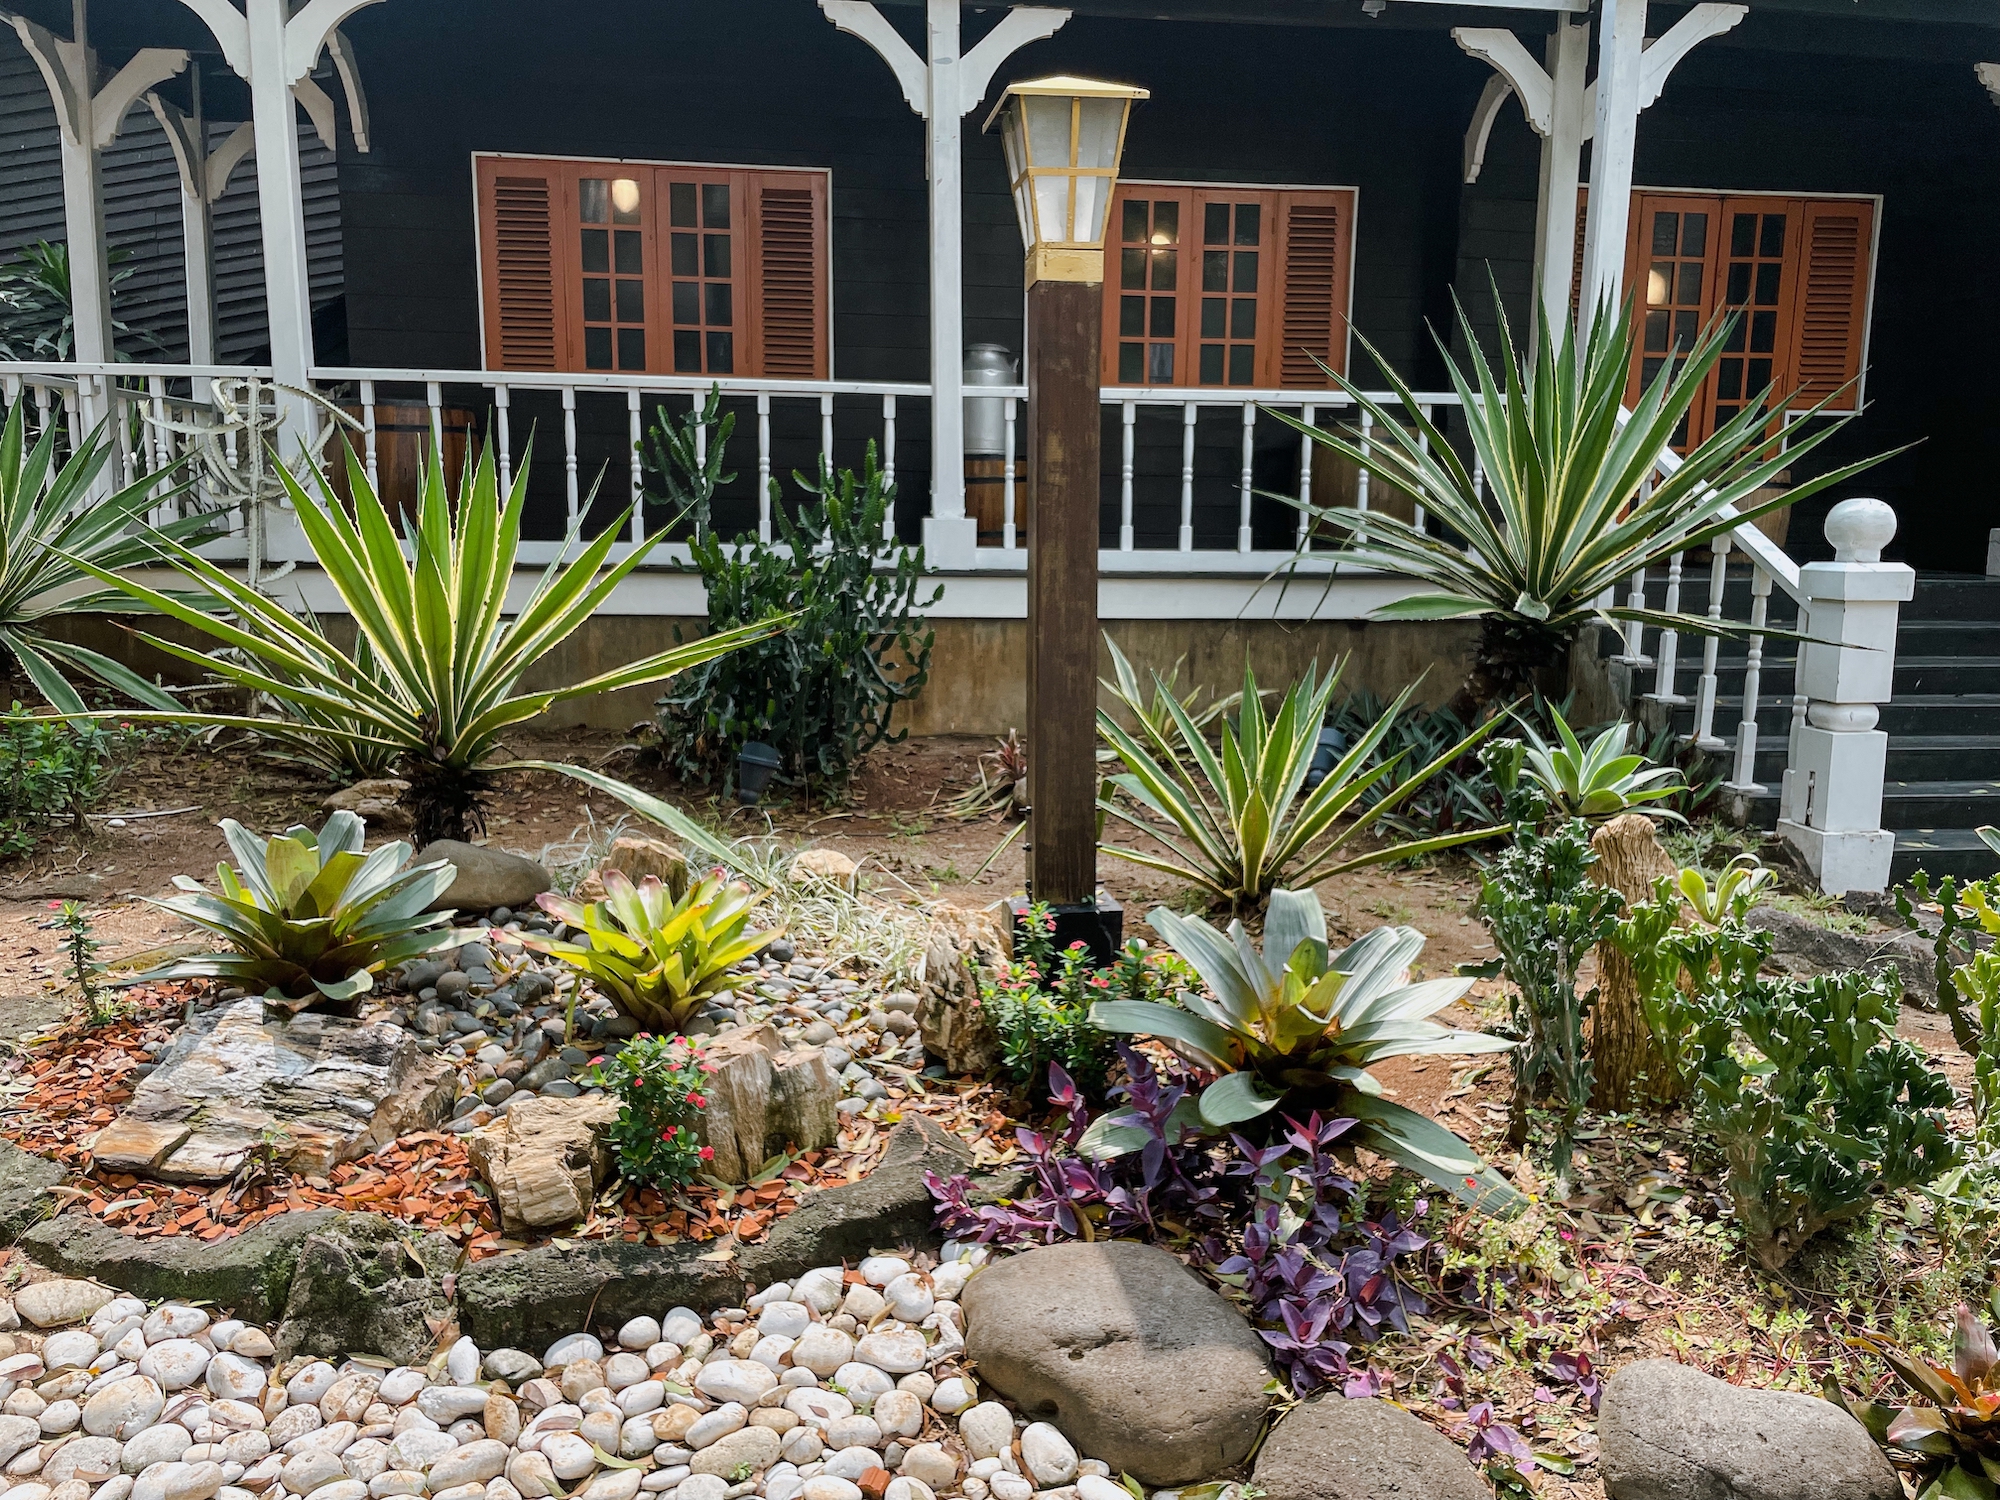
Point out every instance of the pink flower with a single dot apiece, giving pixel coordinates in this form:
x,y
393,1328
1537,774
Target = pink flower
x,y
670,1132
698,1101
707,1153
597,1061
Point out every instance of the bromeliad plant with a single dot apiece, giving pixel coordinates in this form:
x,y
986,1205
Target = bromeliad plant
x,y
1242,823
1570,505
1299,1025
1952,1444
308,916
443,687
658,958
55,536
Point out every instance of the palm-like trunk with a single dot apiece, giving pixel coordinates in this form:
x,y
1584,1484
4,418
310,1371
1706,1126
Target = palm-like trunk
x,y
1514,659
1629,860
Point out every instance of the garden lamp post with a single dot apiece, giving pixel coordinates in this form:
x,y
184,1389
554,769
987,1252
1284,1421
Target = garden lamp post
x,y
1063,137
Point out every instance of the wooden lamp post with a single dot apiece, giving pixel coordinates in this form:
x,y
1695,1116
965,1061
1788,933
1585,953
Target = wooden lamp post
x,y
1063,137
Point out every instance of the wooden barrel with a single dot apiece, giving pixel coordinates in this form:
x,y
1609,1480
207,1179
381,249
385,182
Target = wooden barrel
x,y
986,500
402,449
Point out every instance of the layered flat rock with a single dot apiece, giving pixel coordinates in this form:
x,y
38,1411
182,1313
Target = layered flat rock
x,y
318,1089
544,1159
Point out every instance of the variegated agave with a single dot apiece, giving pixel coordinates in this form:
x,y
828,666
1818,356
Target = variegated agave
x,y
1300,1026
1953,1443
309,917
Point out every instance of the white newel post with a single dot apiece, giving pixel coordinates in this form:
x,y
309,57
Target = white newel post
x,y
1832,809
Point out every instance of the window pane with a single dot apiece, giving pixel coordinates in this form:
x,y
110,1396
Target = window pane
x,y
1242,364
715,205
1767,283
1167,223
1215,224
1131,363
1759,374
596,250
1659,283
1131,317
721,353
686,258
1685,331
1688,294
1656,331
1243,318
1132,222
1246,272
1249,225
687,301
631,301
1211,364
1215,270
1724,413
1666,232
597,348
628,243
1694,234
687,352
590,200
1739,283
1772,242
680,205
631,348
1159,364
1132,268
1162,319
624,201
1649,369
596,300
1214,316
715,255
1166,270
1743,234
720,305
1729,380
1738,332
1763,332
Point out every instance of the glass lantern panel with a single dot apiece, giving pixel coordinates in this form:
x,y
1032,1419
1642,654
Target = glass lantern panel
x,y
1046,117
1093,203
1099,122
1051,207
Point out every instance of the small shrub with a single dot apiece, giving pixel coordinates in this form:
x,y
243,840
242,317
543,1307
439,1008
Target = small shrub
x,y
51,773
1968,975
822,694
308,916
659,1082
657,955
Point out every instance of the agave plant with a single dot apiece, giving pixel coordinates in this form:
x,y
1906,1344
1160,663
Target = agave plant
x,y
54,532
658,959
1601,781
1241,826
1953,1443
1299,1026
443,686
1152,718
1570,507
310,917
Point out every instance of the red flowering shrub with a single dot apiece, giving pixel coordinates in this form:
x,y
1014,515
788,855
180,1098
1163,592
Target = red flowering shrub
x,y
659,1082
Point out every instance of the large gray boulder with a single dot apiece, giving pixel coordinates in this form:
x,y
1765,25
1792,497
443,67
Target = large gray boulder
x,y
486,877
1126,1351
1669,1432
362,1287
1331,1448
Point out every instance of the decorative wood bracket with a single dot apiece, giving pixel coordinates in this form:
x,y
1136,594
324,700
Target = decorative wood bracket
x,y
231,32
972,74
1989,74
1522,76
309,33
89,120
149,66
204,173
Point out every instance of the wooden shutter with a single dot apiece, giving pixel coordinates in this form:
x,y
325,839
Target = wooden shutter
x,y
519,207
788,294
1314,252
1832,300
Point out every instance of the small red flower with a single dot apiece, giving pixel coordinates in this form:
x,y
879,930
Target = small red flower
x,y
708,1067
597,1061
707,1153
698,1101
670,1132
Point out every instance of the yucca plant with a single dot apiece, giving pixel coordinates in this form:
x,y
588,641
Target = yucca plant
x,y
1151,717
1240,824
310,917
1953,1444
443,686
53,533
1571,506
1298,1026
1601,781
658,959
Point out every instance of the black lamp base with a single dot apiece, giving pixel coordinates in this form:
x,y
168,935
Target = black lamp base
x,y
1100,927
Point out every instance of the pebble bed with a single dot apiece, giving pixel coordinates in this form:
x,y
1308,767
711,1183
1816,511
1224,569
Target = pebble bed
x,y
842,1385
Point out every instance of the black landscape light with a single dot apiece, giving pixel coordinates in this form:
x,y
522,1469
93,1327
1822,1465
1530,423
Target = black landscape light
x,y
756,764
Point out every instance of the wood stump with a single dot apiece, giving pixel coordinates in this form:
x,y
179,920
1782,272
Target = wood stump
x,y
1629,860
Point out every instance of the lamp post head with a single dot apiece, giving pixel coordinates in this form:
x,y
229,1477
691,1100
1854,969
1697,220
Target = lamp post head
x,y
1063,137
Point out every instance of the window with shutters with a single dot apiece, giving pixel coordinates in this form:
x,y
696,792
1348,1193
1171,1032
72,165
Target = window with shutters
x,y
1794,272
1218,286
653,268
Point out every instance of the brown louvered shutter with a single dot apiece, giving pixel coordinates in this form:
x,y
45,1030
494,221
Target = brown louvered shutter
x,y
519,205
1314,259
790,277
1832,300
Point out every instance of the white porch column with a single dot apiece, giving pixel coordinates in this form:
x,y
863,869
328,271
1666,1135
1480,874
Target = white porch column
x,y
1621,41
88,118
1562,167
1834,784
943,87
204,175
